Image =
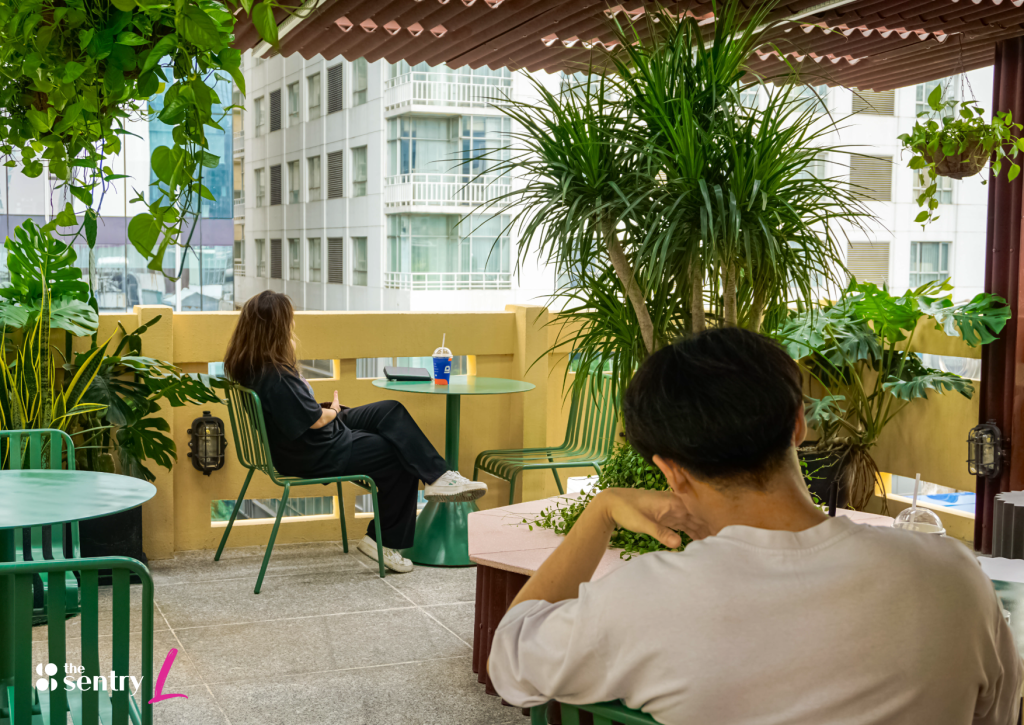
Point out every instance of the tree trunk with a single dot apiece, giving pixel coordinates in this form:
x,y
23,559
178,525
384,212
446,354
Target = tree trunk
x,y
697,321
757,310
729,296
625,274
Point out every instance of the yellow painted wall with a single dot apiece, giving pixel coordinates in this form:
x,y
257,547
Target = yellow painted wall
x,y
927,437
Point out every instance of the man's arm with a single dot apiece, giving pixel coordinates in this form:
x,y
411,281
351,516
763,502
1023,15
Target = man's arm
x,y
656,513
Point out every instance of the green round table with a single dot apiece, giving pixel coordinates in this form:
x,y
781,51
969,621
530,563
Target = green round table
x,y
41,498
442,528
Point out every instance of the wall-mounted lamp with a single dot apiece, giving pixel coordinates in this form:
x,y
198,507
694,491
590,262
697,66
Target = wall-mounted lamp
x,y
985,450
207,443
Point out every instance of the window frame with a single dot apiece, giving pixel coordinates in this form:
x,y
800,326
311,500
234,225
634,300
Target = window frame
x,y
294,114
314,171
258,115
359,184
360,81
916,248
360,262
294,181
295,269
259,183
314,262
313,93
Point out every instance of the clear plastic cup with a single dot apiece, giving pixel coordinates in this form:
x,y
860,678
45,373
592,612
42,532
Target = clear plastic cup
x,y
920,520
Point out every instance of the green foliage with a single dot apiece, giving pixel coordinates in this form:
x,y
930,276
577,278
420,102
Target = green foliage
x,y
72,74
129,387
965,132
625,468
860,351
658,195
35,259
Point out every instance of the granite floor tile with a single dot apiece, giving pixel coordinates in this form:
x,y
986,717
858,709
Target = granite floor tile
x,y
232,601
456,617
440,692
105,620
317,644
199,709
287,560
426,585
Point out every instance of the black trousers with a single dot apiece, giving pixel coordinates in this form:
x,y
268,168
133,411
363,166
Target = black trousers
x,y
390,448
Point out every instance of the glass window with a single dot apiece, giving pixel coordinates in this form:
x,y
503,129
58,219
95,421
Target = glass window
x,y
259,115
484,143
943,190
418,145
359,171
813,97
239,251
313,93
815,168
261,188
750,95
484,244
429,250
359,267
294,259
294,176
315,261
261,258
359,73
929,262
313,166
923,90
293,104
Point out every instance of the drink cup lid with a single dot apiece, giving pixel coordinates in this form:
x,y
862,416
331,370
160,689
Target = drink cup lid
x,y
442,352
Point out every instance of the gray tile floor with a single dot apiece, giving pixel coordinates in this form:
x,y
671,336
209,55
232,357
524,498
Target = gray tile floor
x,y
327,642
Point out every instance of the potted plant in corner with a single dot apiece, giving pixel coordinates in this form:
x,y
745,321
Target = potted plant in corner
x,y
858,356
957,143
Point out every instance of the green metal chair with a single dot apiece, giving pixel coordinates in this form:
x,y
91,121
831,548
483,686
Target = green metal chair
x,y
23,703
253,451
603,713
29,449
589,436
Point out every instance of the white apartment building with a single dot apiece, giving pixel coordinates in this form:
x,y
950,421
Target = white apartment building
x,y
353,182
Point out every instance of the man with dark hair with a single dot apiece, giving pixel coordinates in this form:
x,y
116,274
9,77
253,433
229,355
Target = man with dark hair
x,y
775,613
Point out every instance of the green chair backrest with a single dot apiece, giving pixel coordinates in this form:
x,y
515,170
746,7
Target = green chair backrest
x,y
602,713
40,449
249,430
593,415
88,707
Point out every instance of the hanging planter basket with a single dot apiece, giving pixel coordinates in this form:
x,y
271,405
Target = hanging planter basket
x,y
962,165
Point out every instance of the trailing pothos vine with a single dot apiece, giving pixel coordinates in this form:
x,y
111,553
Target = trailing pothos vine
x,y
73,73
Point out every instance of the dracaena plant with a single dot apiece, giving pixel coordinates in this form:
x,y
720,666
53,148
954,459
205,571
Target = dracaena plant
x,y
953,128
859,354
73,73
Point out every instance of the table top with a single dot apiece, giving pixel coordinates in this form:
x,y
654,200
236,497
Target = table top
x,y
498,537
38,498
459,385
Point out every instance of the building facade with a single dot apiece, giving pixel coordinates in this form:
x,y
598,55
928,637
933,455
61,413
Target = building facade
x,y
356,183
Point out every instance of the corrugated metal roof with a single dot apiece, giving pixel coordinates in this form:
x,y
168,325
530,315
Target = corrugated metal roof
x,y
868,44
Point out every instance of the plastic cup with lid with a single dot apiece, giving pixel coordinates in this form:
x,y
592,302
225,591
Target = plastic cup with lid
x,y
442,364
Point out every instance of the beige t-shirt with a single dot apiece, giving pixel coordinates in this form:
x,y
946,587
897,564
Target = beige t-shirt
x,y
842,624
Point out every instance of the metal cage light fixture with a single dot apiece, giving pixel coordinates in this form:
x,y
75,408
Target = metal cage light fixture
x,y
207,443
985,450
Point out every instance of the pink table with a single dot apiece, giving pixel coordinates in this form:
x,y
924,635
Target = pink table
x,y
507,553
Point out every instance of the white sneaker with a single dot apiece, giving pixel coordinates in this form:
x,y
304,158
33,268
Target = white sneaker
x,y
453,486
392,559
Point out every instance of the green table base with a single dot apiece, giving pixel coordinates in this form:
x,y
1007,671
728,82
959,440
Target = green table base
x,y
442,528
442,534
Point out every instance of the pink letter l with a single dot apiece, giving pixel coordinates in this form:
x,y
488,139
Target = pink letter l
x,y
165,670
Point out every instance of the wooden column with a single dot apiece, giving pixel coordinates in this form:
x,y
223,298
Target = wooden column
x,y
1002,376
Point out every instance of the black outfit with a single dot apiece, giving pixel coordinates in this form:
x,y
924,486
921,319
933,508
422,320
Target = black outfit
x,y
379,440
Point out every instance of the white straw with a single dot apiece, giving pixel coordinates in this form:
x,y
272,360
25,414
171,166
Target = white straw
x,y
443,337
917,486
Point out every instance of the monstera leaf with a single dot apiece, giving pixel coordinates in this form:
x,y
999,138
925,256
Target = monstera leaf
x,y
979,321
919,385
35,258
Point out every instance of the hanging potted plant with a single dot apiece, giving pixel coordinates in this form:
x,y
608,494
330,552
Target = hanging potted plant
x,y
955,140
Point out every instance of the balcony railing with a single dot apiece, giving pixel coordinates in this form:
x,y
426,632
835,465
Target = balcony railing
x,y
443,89
442,190
239,268
447,281
238,143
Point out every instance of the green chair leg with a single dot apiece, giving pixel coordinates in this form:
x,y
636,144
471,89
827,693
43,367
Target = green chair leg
x,y
512,488
538,715
558,481
341,515
234,513
376,529
273,536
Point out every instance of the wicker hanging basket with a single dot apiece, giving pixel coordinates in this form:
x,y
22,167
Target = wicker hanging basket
x,y
960,166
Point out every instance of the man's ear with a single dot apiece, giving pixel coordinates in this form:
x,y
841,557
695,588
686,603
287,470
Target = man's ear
x,y
800,429
677,478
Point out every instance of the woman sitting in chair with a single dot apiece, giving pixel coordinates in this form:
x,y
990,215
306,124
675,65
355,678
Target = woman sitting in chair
x,y
379,440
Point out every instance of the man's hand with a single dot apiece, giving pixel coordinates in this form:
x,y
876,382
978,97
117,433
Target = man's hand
x,y
336,404
657,513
